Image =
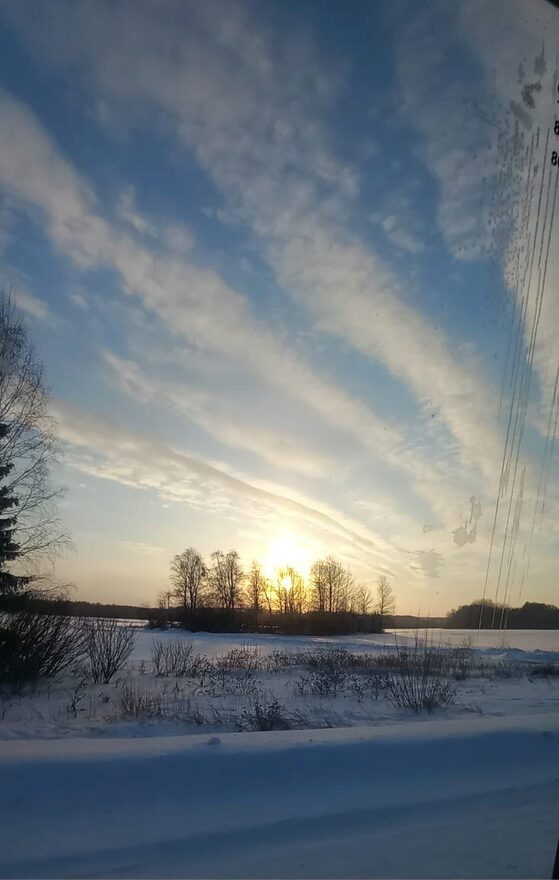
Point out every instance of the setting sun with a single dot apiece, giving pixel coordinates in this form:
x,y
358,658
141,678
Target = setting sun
x,y
283,551
286,582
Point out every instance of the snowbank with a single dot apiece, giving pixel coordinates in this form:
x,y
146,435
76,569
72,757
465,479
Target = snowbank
x,y
475,797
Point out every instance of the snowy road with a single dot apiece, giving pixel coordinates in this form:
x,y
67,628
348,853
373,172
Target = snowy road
x,y
433,798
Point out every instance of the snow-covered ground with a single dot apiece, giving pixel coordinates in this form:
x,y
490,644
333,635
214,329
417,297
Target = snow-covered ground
x,y
523,639
532,642
96,782
138,702
468,798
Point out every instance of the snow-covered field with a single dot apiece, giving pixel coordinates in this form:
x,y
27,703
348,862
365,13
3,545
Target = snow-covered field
x,y
239,671
164,776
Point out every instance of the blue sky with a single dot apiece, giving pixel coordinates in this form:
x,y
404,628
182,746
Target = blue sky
x,y
268,256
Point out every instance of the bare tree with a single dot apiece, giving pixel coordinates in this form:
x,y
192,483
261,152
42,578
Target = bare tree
x,y
27,452
164,599
362,600
290,591
227,578
255,588
188,575
108,645
386,602
269,594
345,599
318,584
330,585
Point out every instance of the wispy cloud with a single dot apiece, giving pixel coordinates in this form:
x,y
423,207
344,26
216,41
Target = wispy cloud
x,y
193,300
300,272
279,175
210,412
34,307
99,447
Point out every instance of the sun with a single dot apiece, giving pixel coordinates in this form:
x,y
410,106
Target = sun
x,y
286,582
286,551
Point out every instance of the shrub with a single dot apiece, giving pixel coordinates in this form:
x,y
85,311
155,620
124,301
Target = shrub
x,y
331,660
158,657
320,683
369,684
545,670
135,704
108,645
265,716
462,660
215,683
158,619
279,661
413,692
185,709
246,657
175,658
34,646
418,684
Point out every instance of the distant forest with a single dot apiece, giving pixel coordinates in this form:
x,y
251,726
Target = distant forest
x,y
223,620
532,615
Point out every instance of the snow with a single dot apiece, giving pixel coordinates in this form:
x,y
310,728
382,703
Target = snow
x,y
192,706
468,791
475,797
531,641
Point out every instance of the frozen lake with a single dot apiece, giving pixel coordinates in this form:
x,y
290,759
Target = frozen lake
x,y
523,639
526,640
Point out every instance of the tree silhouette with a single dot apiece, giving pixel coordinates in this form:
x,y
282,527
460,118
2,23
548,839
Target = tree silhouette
x,y
386,602
29,528
188,575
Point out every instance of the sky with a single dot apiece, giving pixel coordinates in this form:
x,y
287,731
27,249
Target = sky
x,y
292,272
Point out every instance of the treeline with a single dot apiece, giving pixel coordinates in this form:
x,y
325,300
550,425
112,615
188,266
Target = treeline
x,y
489,615
220,595
40,604
204,620
247,620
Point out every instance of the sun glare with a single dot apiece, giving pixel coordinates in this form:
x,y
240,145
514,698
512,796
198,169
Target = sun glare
x,y
284,551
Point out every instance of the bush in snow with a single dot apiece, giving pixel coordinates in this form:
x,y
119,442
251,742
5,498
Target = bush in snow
x,y
333,661
418,682
545,670
135,704
36,646
108,645
246,657
320,683
176,658
279,661
261,715
367,685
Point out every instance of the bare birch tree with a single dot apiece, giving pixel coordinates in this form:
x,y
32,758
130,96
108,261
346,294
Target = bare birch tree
x,y
386,602
227,578
331,584
362,600
255,591
188,576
